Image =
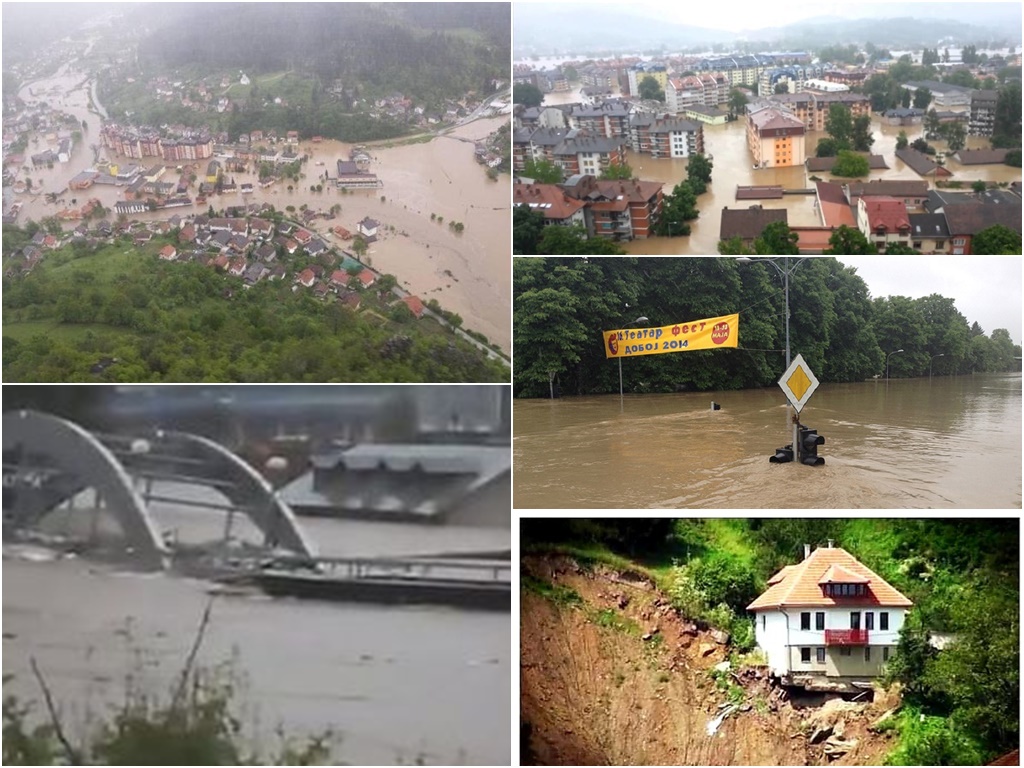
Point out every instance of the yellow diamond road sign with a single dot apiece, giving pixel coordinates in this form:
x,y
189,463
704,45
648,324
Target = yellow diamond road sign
x,y
799,383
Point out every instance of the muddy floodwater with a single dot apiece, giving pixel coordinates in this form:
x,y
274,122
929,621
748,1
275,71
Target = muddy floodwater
x,y
949,442
468,273
727,144
397,683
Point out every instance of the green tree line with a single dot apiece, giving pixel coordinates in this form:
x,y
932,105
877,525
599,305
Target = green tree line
x,y
185,322
560,307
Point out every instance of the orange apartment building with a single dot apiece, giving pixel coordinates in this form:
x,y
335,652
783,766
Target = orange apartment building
x,y
775,138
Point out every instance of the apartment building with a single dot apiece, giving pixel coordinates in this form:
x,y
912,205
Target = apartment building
x,y
775,138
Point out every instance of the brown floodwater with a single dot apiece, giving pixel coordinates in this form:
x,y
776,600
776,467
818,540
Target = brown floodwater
x,y
732,167
946,442
469,273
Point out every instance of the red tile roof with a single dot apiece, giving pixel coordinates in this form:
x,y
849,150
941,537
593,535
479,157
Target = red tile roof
x,y
800,584
887,212
547,199
414,304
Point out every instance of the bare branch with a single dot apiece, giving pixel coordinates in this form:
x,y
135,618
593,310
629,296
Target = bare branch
x,y
191,660
70,752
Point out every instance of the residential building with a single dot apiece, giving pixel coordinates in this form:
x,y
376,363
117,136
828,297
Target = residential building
x,y
983,113
883,220
904,116
709,115
775,139
944,95
921,163
929,232
367,227
740,70
748,223
912,193
828,619
558,208
350,176
980,156
609,119
638,72
665,136
588,154
794,78
965,220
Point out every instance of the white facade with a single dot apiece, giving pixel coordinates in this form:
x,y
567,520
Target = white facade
x,y
780,634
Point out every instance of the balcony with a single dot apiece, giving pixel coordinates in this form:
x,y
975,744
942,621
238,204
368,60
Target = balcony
x,y
846,637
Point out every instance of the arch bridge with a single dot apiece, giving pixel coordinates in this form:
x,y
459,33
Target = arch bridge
x,y
48,460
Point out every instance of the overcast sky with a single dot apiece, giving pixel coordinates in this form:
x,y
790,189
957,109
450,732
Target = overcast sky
x,y
734,15
987,289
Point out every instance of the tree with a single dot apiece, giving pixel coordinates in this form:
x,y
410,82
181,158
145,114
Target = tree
x,y
572,240
929,57
899,249
385,283
851,164
955,135
1006,129
698,172
543,171
649,89
737,101
617,172
526,94
922,146
861,136
905,99
1013,157
782,87
922,98
827,148
932,125
776,238
839,125
359,246
571,74
901,140
979,186
678,207
997,240
847,241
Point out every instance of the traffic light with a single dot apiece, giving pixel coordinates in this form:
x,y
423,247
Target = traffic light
x,y
782,455
809,442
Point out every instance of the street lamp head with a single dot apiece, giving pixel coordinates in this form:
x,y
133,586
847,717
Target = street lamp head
x,y
745,260
941,355
898,350
641,319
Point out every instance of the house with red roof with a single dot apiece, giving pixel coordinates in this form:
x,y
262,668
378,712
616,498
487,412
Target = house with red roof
x,y
340,278
168,253
306,277
828,621
367,278
415,305
884,221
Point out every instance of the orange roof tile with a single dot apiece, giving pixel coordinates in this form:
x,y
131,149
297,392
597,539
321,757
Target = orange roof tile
x,y
799,585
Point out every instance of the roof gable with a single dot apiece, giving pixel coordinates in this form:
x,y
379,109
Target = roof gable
x,y
801,584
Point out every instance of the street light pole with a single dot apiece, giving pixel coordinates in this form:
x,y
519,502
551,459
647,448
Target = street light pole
x,y
785,271
894,352
622,403
930,363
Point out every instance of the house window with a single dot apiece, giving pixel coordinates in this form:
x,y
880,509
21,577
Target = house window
x,y
819,620
867,653
959,241
869,620
805,620
764,620
883,620
885,653
805,655
820,655
854,619
845,650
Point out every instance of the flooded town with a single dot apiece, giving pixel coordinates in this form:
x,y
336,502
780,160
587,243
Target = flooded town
x,y
754,132
427,206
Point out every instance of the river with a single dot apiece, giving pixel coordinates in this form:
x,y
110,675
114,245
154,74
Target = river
x,y
397,683
945,442
732,168
468,273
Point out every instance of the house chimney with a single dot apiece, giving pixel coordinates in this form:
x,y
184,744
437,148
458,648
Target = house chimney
x,y
807,551
830,543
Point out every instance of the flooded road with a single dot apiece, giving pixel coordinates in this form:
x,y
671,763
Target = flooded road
x,y
468,273
949,442
397,683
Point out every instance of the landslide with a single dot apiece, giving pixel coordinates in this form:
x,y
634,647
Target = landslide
x,y
611,674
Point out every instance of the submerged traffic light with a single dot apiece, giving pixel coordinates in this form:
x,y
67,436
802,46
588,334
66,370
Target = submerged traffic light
x,y
809,442
782,455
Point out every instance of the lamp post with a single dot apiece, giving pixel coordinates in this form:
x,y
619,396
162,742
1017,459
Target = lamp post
x,y
622,404
786,270
930,363
894,352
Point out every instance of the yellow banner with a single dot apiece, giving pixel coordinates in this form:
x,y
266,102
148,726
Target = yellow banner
x,y
711,333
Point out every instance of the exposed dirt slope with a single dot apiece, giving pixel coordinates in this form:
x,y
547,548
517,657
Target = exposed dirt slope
x,y
621,679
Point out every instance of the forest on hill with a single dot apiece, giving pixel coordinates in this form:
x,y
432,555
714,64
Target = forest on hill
x,y
341,56
561,305
960,704
140,319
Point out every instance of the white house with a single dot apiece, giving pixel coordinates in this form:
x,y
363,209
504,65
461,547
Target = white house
x,y
828,617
